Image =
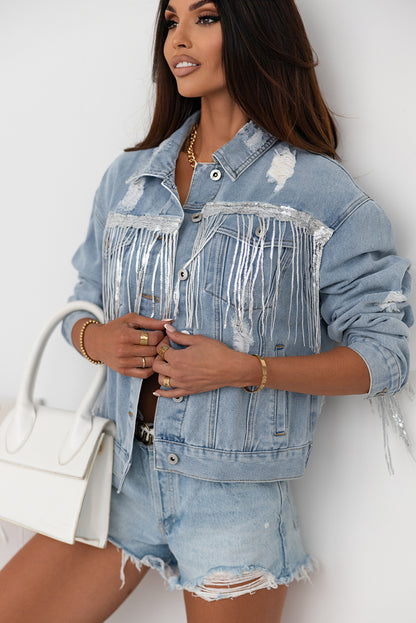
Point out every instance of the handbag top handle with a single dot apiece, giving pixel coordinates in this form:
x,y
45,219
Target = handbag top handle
x,y
24,418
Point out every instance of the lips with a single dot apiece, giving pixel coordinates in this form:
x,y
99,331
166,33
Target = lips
x,y
184,65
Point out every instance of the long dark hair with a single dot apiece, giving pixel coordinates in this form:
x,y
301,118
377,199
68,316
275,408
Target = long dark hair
x,y
269,69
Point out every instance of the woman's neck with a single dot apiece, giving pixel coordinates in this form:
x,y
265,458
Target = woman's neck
x,y
220,121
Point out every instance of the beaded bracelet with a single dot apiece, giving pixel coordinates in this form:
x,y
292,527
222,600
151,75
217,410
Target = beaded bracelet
x,y
81,341
263,378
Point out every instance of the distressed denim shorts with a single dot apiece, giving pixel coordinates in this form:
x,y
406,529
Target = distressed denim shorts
x,y
197,532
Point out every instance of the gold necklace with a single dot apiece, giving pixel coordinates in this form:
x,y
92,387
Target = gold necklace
x,y
190,150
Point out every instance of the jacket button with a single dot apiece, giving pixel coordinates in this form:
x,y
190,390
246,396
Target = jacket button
x,y
215,175
173,459
260,232
183,274
196,218
178,399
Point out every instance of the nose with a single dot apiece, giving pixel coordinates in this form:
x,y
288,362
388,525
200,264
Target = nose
x,y
181,37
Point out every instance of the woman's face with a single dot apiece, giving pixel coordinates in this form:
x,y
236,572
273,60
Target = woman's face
x,y
193,47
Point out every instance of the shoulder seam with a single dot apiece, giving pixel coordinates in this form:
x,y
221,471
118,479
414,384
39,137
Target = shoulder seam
x,y
349,211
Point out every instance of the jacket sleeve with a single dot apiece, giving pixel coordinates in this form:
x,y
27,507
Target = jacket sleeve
x,y
87,261
364,289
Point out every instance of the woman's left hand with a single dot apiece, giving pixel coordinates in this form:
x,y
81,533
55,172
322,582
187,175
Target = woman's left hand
x,y
205,364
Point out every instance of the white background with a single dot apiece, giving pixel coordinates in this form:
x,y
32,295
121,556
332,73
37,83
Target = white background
x,y
75,82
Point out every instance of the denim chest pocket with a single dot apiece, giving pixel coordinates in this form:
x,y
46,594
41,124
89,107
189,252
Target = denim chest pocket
x,y
113,245
246,262
118,253
131,275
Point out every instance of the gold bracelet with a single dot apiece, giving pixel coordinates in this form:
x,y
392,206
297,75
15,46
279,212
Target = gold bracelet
x,y
81,341
263,378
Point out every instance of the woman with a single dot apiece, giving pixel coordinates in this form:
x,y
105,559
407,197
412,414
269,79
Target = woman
x,y
243,275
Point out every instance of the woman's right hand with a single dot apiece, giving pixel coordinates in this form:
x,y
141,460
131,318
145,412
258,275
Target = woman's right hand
x,y
117,343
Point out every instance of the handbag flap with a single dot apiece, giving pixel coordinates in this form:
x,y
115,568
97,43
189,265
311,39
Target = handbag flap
x,y
50,430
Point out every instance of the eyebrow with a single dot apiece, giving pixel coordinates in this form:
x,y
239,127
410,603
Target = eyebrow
x,y
193,7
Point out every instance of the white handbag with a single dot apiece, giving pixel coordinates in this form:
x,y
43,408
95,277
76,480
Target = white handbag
x,y
55,465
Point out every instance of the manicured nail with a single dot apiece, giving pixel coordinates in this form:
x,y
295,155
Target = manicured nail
x,y
156,394
169,327
167,320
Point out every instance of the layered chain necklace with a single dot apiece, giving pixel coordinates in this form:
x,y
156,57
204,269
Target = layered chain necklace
x,y
190,149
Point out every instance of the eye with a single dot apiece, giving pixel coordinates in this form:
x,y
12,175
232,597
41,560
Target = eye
x,y
170,23
205,20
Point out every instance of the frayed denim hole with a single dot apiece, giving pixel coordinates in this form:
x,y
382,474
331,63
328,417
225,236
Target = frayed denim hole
x,y
228,585
223,584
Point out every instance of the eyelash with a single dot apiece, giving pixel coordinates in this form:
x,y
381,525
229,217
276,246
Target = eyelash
x,y
170,23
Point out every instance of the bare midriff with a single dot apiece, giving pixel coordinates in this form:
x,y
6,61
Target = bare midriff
x,y
147,402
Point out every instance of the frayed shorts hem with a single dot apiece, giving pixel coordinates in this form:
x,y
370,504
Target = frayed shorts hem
x,y
154,562
219,582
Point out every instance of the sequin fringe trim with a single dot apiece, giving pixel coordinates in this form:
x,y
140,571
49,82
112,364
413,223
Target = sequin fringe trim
x,y
392,418
251,253
129,241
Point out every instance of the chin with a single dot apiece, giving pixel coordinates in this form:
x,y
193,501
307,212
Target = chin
x,y
189,92
191,89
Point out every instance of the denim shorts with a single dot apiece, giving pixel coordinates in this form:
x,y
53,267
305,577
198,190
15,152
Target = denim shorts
x,y
197,532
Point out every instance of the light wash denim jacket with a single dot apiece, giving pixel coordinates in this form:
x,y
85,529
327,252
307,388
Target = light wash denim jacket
x,y
277,252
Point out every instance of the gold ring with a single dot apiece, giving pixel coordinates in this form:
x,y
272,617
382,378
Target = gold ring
x,y
166,382
143,362
144,338
162,350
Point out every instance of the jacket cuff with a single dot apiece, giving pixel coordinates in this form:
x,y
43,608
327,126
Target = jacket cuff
x,y
383,367
69,321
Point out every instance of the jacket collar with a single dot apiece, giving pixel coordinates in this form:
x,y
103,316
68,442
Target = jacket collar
x,y
235,156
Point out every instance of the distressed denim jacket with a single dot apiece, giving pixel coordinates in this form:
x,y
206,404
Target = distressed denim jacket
x,y
276,252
